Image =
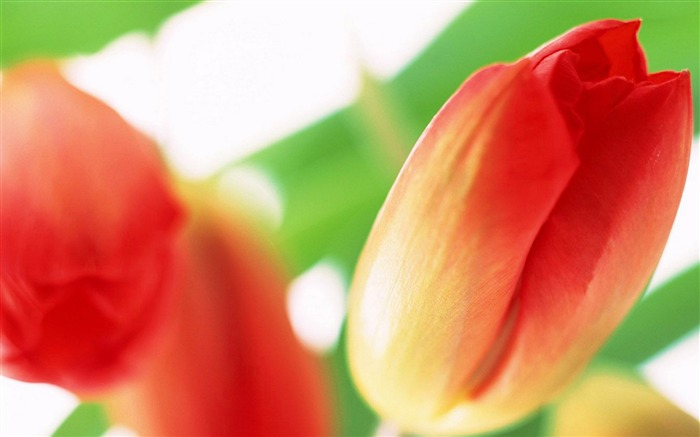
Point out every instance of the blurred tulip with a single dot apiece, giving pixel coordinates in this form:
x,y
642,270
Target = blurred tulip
x,y
609,402
230,365
87,229
522,228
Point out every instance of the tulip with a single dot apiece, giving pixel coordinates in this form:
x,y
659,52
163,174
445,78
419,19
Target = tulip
x,y
521,229
230,364
609,402
88,221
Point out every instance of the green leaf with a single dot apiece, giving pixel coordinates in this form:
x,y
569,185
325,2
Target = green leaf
x,y
664,317
87,420
32,29
332,184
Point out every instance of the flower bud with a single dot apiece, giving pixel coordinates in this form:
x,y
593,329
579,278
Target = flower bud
x,y
523,226
609,402
87,227
230,364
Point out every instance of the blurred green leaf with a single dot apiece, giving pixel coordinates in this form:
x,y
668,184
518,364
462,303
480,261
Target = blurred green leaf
x,y
87,420
332,187
664,317
52,29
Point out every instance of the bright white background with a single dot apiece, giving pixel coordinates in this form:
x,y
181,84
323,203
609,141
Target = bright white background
x,y
223,79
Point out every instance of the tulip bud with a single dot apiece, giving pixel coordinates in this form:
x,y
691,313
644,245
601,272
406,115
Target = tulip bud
x,y
523,226
230,364
611,403
87,226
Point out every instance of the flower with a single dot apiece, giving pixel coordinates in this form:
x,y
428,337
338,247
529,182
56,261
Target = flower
x,y
88,222
611,402
523,226
230,364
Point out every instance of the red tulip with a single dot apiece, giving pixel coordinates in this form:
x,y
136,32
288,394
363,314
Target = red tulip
x,y
522,228
87,229
230,364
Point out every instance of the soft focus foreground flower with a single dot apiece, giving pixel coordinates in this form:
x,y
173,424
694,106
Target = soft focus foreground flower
x,y
522,228
230,365
611,403
87,227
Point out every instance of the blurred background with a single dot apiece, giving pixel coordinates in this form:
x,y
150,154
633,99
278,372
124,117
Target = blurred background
x,y
303,113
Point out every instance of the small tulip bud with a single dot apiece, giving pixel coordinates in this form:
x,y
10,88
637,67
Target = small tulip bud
x,y
609,402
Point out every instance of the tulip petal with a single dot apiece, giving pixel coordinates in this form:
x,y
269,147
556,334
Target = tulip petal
x,y
599,246
607,48
87,225
434,284
68,157
230,363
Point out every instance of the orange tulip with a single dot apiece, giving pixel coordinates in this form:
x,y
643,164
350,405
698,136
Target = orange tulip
x,y
230,364
520,231
88,222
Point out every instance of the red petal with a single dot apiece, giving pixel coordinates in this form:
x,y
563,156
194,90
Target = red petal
x,y
558,71
88,191
230,365
607,48
436,278
87,222
599,247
